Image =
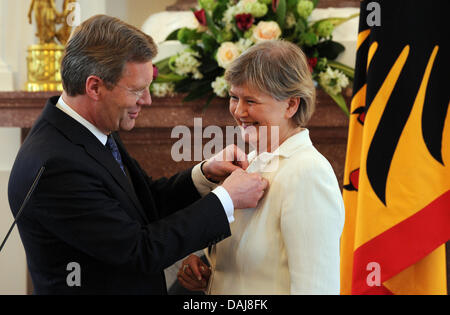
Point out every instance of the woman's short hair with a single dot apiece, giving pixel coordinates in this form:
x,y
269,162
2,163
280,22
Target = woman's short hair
x,y
278,68
101,46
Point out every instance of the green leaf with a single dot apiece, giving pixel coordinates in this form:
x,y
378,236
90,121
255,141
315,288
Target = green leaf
x,y
292,5
308,39
208,65
170,77
236,29
300,28
339,100
224,36
163,65
301,25
171,63
281,13
212,27
334,21
184,86
202,89
210,44
348,71
173,35
209,100
188,36
219,11
330,49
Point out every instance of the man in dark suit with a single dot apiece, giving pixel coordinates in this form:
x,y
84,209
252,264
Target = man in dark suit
x,y
96,223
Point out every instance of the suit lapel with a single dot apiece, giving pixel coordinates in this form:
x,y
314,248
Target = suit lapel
x,y
80,135
138,177
105,158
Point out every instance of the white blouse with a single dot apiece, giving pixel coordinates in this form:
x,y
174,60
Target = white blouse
x,y
289,244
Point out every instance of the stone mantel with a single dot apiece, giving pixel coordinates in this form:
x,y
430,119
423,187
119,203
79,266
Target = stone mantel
x,y
20,109
150,141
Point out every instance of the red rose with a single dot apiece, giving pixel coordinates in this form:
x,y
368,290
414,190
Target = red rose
x,y
275,5
201,16
244,21
312,62
155,72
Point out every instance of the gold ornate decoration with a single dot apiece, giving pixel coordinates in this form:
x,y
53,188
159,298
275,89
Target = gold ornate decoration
x,y
44,59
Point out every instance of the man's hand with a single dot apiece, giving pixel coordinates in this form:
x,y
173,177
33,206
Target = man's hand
x,y
194,274
245,189
221,165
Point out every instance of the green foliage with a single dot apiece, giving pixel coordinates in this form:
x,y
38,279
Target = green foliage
x,y
188,36
292,16
349,72
211,26
305,8
173,35
330,49
281,13
308,39
209,43
209,5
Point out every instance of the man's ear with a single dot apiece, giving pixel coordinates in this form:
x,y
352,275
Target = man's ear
x,y
293,104
93,84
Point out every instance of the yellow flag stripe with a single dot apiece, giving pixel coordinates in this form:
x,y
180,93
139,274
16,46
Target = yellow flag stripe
x,y
371,53
367,195
362,36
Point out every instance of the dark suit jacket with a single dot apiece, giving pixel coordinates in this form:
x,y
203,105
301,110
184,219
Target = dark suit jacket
x,y
85,210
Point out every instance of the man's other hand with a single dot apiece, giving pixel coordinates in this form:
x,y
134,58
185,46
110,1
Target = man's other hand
x,y
221,165
245,189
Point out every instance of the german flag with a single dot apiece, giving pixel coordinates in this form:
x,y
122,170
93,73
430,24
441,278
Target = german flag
x,y
397,171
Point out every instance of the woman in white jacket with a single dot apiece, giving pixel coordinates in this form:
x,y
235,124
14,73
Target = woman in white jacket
x,y
289,243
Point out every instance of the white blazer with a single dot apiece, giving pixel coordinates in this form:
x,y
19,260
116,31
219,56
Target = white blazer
x,y
289,244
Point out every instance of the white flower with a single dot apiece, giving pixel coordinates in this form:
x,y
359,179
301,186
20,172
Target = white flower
x,y
243,5
266,31
245,2
163,89
197,75
220,86
255,8
290,20
333,81
226,53
229,14
243,44
186,62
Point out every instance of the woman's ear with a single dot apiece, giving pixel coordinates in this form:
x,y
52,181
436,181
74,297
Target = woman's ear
x,y
293,104
93,84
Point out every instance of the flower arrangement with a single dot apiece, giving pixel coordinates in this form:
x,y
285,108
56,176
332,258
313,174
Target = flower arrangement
x,y
228,27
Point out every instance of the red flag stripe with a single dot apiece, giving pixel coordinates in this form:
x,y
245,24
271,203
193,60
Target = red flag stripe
x,y
404,244
378,290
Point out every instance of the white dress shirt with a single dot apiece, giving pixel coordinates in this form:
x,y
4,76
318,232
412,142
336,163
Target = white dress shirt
x,y
289,244
203,185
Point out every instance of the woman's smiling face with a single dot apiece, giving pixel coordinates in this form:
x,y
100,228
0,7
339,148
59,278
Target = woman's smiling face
x,y
264,121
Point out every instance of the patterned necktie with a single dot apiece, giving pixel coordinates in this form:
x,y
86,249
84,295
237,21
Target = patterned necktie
x,y
112,145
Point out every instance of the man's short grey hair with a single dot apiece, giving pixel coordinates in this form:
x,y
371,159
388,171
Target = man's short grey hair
x,y
278,68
